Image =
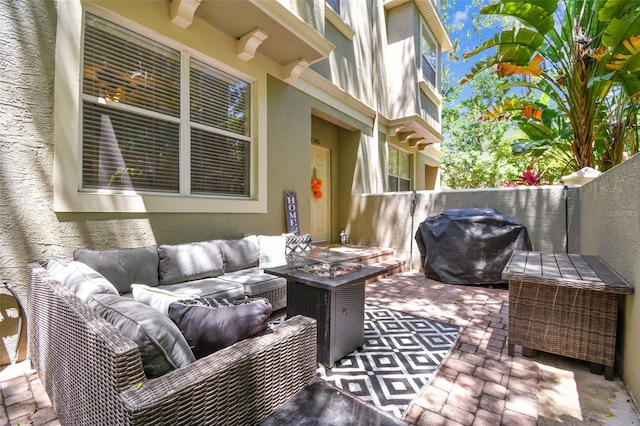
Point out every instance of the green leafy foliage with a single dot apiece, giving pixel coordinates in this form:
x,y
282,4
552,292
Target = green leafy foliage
x,y
583,57
478,151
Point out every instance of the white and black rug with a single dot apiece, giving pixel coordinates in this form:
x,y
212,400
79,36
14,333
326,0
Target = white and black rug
x,y
400,355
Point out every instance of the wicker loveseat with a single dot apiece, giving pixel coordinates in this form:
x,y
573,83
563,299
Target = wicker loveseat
x,y
94,374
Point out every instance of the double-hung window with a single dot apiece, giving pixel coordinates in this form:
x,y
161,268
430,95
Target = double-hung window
x,y
157,120
429,57
399,170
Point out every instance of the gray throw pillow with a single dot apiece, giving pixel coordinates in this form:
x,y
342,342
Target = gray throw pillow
x,y
158,298
123,267
190,261
162,346
81,279
211,324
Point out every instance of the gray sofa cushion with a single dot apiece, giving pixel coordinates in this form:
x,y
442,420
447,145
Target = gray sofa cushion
x,y
190,261
123,267
209,324
213,287
163,348
240,254
80,278
157,297
255,281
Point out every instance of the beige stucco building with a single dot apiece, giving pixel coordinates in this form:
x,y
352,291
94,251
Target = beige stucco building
x,y
347,92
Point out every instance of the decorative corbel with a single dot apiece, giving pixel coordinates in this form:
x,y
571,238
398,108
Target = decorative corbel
x,y
403,136
421,144
292,71
415,140
247,45
182,12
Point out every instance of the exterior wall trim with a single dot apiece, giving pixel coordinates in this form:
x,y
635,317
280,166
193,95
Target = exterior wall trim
x,y
314,84
337,22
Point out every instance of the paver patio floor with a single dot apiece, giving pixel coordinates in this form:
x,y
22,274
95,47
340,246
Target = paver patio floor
x,y
479,384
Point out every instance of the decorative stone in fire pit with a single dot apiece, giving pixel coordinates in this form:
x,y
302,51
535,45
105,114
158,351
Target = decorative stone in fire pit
x,y
330,270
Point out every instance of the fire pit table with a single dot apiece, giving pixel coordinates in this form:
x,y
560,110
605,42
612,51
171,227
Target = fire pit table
x,y
323,284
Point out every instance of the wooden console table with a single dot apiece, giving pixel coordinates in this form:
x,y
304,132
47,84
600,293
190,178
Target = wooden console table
x,y
566,304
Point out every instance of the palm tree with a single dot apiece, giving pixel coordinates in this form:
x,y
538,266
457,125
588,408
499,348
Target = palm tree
x,y
583,57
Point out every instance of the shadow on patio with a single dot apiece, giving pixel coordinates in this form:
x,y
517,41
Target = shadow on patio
x,y
478,384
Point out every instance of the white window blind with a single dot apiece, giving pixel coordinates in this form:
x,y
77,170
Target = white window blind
x,y
429,57
220,130
132,136
399,170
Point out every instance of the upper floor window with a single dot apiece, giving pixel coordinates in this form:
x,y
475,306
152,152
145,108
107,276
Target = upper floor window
x,y
429,57
335,5
399,170
155,119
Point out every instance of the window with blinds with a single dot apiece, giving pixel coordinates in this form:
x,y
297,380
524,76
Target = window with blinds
x,y
399,170
136,136
429,57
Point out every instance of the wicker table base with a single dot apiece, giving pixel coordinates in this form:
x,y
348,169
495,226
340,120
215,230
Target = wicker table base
x,y
566,304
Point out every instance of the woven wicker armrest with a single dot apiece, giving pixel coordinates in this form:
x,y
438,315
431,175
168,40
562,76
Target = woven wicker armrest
x,y
94,375
240,384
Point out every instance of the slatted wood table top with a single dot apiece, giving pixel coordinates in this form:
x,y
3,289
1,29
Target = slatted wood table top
x,y
573,270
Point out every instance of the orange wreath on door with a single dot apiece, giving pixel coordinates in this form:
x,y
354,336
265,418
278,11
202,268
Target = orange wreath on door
x,y
316,185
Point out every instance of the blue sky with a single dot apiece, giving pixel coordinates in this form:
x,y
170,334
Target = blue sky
x,y
463,13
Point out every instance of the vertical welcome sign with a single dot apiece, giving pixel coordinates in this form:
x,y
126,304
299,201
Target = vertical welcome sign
x,y
291,211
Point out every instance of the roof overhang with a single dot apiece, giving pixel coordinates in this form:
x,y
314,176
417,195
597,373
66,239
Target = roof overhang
x,y
260,26
431,16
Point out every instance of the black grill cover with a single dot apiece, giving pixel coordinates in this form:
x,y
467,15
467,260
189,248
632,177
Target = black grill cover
x,y
469,246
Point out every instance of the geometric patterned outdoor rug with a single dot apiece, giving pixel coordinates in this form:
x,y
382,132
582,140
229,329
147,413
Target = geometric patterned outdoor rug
x,y
400,356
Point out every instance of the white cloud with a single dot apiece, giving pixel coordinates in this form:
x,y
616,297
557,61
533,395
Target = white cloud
x,y
460,16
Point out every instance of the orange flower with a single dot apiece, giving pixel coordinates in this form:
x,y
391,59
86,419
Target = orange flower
x,y
316,186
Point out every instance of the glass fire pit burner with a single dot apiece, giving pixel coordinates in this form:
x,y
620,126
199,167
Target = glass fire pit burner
x,y
330,270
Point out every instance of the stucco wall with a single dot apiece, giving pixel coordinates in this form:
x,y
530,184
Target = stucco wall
x,y
31,230
385,219
26,137
610,229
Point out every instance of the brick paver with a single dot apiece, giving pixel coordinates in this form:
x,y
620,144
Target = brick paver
x,y
479,384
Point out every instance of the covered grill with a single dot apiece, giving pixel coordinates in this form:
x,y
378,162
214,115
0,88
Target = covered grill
x,y
469,246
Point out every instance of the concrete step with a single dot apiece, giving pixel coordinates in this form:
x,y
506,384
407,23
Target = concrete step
x,y
393,265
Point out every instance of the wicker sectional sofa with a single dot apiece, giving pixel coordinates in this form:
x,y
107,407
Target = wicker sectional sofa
x,y
97,371
230,269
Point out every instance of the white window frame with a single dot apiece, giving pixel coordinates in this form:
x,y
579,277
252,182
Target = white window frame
x,y
425,33
68,193
410,171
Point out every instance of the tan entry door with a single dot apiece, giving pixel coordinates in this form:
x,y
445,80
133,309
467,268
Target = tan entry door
x,y
321,207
